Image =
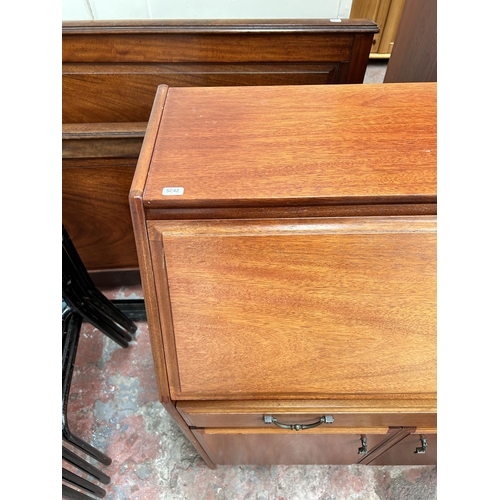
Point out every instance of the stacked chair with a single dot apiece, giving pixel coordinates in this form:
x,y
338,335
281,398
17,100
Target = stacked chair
x,y
82,301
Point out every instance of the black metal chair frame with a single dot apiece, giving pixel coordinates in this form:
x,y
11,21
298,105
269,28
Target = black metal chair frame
x,y
82,301
80,293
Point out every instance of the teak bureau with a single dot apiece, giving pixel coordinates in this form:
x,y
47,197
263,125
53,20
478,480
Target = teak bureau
x,y
287,245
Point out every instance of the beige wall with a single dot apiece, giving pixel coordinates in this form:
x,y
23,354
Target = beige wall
x,y
201,9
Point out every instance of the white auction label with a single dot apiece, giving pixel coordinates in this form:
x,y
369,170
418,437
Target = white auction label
x,y
172,191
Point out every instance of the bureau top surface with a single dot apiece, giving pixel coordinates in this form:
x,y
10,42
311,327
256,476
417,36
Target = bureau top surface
x,y
287,145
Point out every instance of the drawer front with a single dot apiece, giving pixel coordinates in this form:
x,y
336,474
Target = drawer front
x,y
282,447
297,308
241,414
340,419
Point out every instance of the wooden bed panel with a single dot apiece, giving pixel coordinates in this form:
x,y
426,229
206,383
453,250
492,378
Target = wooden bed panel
x,y
206,47
96,213
117,94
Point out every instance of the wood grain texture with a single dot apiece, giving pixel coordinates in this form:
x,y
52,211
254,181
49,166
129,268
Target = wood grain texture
x,y
136,207
414,56
209,48
125,92
225,26
102,140
112,69
273,296
96,213
353,403
292,211
342,419
298,145
139,226
348,411
270,447
391,26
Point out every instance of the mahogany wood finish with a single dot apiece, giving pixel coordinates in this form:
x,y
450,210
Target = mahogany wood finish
x,y
293,273
414,57
94,212
404,452
139,227
283,447
349,412
372,286
103,140
111,70
307,150
110,73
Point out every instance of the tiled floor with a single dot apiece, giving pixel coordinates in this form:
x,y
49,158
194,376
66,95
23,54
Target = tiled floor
x,y
114,406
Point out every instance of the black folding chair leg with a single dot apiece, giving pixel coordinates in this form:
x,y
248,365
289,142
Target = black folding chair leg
x,y
84,466
80,482
86,447
108,308
71,494
81,303
75,270
71,331
99,318
121,337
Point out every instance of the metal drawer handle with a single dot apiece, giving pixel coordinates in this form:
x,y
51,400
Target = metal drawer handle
x,y
421,449
327,419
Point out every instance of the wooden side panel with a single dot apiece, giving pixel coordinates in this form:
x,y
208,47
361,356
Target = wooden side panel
x,y
299,308
281,447
135,199
139,226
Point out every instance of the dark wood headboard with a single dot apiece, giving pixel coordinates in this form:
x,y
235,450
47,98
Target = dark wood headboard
x,y
110,73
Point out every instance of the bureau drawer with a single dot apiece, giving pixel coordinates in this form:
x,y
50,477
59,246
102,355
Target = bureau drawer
x,y
346,414
297,308
288,447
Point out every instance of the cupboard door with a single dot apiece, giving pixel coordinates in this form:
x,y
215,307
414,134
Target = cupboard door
x,y
270,447
419,448
297,308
